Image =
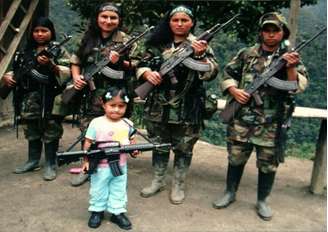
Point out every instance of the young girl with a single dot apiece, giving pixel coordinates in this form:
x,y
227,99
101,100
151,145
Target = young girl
x,y
36,103
104,30
108,190
174,105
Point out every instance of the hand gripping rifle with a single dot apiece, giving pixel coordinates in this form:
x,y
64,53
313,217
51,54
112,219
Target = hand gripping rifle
x,y
101,66
266,78
111,153
24,66
182,55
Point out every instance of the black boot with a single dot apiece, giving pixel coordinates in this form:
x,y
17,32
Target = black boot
x,y
34,154
122,221
234,175
264,187
95,219
50,160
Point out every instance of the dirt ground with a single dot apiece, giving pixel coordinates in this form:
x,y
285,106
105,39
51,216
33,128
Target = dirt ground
x,y
30,204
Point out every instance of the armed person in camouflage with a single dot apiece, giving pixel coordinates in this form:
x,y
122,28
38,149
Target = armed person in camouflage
x,y
174,110
38,104
103,32
260,126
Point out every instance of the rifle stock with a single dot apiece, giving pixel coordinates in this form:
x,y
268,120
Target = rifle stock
x,y
68,94
229,111
143,90
5,91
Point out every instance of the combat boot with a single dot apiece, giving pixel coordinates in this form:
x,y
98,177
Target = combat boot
x,y
177,195
160,162
158,183
34,155
181,167
264,187
50,160
234,175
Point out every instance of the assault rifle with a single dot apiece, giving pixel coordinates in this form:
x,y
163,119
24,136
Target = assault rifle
x,y
266,78
23,66
111,153
101,66
182,55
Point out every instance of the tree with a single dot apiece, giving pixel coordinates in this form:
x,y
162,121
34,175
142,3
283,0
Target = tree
x,y
136,12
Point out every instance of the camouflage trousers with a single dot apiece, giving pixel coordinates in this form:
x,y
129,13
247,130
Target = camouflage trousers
x,y
50,131
239,153
182,138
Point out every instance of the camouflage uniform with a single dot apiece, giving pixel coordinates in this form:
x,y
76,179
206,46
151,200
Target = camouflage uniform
x,y
258,125
174,114
55,110
41,112
91,105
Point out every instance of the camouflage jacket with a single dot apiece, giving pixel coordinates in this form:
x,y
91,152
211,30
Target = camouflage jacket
x,y
258,124
180,103
32,98
92,104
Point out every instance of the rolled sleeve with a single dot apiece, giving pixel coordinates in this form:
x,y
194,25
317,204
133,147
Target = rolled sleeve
x,y
226,84
302,83
141,71
75,60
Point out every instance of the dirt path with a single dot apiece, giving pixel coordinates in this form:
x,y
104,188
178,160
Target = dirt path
x,y
30,204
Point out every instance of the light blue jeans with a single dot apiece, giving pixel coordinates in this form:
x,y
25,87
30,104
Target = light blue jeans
x,y
108,192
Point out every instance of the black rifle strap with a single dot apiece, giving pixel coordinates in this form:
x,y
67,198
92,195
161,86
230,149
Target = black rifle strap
x,y
137,132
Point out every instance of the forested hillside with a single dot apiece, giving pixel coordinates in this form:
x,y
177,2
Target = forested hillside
x,y
303,134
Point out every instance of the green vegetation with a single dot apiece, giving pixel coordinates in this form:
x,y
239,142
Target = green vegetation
x,y
68,15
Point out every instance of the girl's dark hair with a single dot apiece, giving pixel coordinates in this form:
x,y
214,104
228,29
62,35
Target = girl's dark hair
x,y
114,91
122,92
162,34
92,36
40,22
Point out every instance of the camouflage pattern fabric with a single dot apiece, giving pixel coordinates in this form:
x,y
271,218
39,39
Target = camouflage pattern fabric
x,y
49,129
52,130
182,137
239,154
31,102
189,92
257,125
93,103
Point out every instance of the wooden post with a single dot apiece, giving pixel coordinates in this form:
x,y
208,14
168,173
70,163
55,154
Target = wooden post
x,y
319,171
294,10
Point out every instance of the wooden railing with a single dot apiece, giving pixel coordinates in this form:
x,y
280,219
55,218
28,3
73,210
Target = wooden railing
x,y
319,171
12,30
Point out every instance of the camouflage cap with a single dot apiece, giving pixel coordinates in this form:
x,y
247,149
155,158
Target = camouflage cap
x,y
276,19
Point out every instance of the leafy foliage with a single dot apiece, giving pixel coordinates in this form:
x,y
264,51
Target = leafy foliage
x,y
136,12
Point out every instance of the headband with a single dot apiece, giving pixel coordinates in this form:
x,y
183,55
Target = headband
x,y
182,9
109,8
